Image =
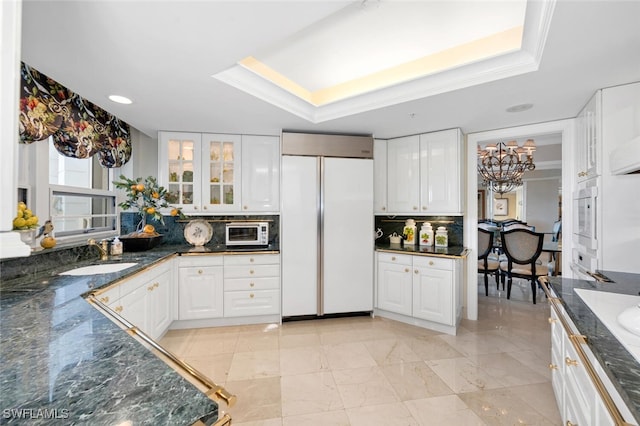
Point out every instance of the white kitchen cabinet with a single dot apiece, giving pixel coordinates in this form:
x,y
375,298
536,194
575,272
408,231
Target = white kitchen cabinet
x,y
379,176
200,287
144,300
578,399
179,169
395,283
251,285
221,165
403,174
423,290
589,138
424,174
260,173
440,174
433,290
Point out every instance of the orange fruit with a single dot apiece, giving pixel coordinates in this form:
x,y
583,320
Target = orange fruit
x,y
174,212
151,210
134,187
140,187
48,242
155,195
149,229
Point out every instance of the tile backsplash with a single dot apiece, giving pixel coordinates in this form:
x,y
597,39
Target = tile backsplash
x,y
173,228
389,225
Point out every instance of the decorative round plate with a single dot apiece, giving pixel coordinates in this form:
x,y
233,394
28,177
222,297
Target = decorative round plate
x,y
198,232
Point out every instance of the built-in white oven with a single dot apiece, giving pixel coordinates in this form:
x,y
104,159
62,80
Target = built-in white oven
x,y
247,234
583,264
585,210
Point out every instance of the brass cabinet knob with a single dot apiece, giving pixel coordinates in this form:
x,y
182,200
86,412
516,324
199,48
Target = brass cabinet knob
x,y
424,207
195,207
251,259
552,320
150,288
553,367
205,207
383,208
245,207
416,272
431,263
118,309
200,271
393,258
156,285
104,299
415,207
251,271
406,269
251,295
571,362
251,284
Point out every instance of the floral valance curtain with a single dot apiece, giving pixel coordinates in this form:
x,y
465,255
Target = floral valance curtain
x,y
79,128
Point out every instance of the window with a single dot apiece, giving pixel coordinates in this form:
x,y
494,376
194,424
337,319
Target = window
x,y
79,198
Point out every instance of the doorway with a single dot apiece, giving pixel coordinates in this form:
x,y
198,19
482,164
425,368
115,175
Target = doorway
x,y
562,129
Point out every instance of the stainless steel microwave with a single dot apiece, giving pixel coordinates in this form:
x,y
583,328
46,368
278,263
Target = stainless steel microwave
x,y
247,234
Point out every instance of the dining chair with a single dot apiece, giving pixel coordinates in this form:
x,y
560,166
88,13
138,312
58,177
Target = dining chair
x,y
518,225
486,265
522,248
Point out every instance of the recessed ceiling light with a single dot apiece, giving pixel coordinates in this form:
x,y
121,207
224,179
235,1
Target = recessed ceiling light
x,y
120,99
519,108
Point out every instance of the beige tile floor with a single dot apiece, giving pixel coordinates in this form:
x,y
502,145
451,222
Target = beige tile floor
x,y
373,371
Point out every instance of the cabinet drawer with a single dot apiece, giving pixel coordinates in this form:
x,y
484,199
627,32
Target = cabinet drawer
x,y
247,303
260,259
250,271
209,260
239,284
432,262
400,259
110,295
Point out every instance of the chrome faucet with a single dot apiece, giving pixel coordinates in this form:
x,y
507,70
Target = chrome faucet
x,y
102,247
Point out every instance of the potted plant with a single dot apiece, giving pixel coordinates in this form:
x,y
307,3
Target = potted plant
x,y
148,198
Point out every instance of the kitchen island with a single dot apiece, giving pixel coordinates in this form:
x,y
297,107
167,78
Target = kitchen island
x,y
612,359
63,360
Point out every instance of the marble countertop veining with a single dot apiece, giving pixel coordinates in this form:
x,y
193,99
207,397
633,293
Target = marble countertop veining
x,y
619,365
451,251
58,353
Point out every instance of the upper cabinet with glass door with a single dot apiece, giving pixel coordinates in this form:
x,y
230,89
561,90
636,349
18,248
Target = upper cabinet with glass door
x,y
221,176
200,171
178,171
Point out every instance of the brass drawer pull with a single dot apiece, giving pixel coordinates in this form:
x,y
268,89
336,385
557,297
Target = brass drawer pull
x,y
104,299
571,362
552,320
553,367
118,309
571,424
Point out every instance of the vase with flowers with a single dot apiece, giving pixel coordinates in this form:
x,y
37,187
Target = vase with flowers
x,y
148,198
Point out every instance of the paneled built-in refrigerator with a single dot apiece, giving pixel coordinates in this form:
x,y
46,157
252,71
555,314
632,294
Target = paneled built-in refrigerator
x,y
326,224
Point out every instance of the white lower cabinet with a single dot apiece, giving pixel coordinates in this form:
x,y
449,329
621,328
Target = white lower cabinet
x,y
200,287
251,285
145,300
578,400
422,288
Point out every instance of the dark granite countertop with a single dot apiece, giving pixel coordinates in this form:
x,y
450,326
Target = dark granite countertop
x,y
451,251
619,365
58,353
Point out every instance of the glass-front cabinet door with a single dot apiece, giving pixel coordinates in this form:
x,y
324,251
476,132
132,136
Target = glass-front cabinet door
x,y
178,171
221,172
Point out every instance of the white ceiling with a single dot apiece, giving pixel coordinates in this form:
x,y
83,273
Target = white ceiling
x,y
163,54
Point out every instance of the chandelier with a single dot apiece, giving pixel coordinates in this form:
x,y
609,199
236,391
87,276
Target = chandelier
x,y
502,165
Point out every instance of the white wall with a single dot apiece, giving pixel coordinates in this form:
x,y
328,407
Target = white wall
x,y
542,203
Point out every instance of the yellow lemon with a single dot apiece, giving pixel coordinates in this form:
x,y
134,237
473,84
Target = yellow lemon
x,y
33,220
20,213
27,214
19,222
21,206
149,229
48,242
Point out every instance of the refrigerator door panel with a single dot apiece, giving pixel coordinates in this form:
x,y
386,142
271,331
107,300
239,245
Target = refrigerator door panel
x,y
348,235
299,237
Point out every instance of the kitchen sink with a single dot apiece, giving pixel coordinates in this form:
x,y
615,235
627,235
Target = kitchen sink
x,y
103,268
